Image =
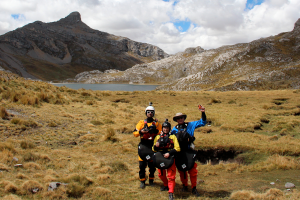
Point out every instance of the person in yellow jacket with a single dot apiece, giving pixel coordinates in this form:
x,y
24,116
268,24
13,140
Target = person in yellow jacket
x,y
168,145
147,130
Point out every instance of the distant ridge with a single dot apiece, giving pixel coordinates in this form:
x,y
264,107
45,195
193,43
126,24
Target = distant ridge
x,y
264,64
62,49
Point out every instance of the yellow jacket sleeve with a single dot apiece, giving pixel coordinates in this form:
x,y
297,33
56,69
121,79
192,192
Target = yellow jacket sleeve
x,y
154,142
138,127
176,143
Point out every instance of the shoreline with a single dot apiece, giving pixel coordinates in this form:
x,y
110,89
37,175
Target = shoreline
x,y
114,83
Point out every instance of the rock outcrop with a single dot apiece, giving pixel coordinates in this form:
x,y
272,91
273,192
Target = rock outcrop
x,y
62,49
267,63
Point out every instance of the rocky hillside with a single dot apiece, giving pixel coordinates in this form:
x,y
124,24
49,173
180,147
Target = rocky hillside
x,y
62,49
267,63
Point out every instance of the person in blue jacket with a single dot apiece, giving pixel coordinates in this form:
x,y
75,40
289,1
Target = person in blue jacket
x,y
186,130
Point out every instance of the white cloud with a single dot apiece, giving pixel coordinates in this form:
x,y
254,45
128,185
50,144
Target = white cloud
x,y
218,22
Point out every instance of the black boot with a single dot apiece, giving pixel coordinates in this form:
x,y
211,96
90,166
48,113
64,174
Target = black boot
x,y
164,188
151,182
184,188
195,192
171,196
142,185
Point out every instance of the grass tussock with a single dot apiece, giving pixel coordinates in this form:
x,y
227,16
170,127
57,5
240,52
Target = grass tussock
x,y
119,166
21,176
32,166
81,179
26,144
110,135
97,122
31,187
104,179
33,157
11,197
75,190
4,167
271,194
7,146
88,137
11,188
27,123
59,193
3,113
102,192
213,101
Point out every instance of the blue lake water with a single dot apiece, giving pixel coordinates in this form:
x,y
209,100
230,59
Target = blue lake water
x,y
110,87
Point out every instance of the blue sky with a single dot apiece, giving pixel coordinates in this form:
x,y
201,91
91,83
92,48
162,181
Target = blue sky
x,y
18,16
172,25
251,3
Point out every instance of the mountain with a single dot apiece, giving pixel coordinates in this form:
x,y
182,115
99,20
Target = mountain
x,y
267,63
62,49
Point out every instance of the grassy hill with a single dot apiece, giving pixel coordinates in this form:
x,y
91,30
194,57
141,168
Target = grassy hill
x,y
84,139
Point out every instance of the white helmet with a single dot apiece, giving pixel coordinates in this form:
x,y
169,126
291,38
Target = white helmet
x,y
150,107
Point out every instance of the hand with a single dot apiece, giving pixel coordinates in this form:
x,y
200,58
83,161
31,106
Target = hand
x,y
166,155
157,144
143,131
202,109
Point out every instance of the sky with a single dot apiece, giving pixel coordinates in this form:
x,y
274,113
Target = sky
x,y
172,25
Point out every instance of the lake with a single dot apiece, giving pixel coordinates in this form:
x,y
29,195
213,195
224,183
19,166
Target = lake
x,y
110,87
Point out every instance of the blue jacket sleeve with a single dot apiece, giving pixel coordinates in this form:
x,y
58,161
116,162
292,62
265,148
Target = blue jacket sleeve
x,y
193,125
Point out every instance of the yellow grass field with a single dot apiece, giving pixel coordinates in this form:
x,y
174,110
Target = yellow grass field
x,y
84,139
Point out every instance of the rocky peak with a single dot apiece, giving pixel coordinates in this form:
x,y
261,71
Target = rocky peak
x,y
72,18
194,50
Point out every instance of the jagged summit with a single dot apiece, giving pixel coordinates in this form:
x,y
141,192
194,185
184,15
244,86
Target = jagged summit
x,y
72,18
